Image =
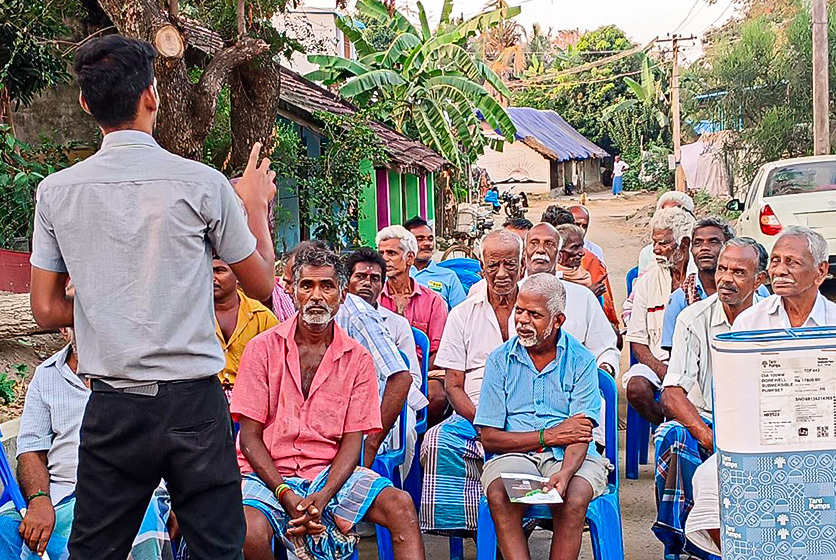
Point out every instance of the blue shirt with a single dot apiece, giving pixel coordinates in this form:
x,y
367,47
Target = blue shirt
x,y
518,398
442,281
677,303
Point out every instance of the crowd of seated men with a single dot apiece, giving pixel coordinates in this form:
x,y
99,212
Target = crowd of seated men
x,y
318,376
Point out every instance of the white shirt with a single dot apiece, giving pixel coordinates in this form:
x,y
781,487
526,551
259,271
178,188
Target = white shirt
x,y
650,296
619,167
646,258
770,314
470,335
401,333
594,249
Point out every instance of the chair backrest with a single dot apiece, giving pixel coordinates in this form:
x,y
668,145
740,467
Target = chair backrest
x,y
631,278
422,342
609,393
11,491
468,270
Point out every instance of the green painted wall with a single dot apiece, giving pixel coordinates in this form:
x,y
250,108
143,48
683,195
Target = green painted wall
x,y
395,198
367,224
430,197
413,207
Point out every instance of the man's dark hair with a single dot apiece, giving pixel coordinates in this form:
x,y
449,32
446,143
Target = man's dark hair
x,y
319,257
112,72
415,222
364,255
306,246
715,222
518,223
557,215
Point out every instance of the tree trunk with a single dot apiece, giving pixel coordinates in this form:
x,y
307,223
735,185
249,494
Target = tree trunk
x,y
16,316
187,109
254,103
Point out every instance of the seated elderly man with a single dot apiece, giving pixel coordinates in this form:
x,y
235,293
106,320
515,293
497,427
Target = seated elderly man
x,y
540,401
442,281
686,440
797,268
671,232
366,268
423,308
451,454
47,458
670,199
238,319
591,274
582,218
305,396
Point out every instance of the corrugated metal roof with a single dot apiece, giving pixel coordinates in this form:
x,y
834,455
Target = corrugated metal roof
x,y
304,95
547,133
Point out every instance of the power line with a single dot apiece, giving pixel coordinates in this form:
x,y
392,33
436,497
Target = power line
x,y
681,23
710,25
580,83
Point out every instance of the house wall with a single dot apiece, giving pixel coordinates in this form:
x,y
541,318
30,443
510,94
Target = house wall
x,y
396,198
517,161
412,196
317,31
367,224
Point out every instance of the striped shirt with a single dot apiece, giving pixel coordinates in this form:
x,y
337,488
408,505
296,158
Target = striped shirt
x,y
362,322
51,422
516,397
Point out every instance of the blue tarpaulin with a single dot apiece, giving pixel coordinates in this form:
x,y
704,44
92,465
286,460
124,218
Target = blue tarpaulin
x,y
549,134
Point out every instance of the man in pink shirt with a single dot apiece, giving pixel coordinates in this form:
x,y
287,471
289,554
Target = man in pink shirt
x,y
305,395
423,308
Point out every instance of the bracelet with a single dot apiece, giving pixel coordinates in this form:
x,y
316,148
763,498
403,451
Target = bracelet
x,y
37,494
542,438
281,490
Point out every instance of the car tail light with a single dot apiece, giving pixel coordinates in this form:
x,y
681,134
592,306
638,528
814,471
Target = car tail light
x,y
769,222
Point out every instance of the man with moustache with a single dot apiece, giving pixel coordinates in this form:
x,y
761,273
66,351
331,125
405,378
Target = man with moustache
x,y
451,454
540,402
582,218
686,440
305,396
797,268
671,232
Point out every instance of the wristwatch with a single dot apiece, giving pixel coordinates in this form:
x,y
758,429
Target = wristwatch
x,y
608,368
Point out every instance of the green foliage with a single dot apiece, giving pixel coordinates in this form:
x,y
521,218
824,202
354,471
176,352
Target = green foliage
x,y
21,169
10,383
582,98
424,83
331,185
29,59
377,34
218,144
755,80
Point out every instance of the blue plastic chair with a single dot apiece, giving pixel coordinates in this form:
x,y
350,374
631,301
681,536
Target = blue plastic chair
x,y
11,491
468,270
414,479
603,514
638,429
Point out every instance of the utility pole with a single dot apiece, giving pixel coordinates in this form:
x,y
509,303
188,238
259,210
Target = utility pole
x,y
821,80
679,174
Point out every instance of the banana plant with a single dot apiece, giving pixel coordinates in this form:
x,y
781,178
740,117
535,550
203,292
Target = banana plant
x,y
425,84
648,100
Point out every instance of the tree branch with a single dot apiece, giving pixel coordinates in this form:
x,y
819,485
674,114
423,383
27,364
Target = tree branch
x,y
224,62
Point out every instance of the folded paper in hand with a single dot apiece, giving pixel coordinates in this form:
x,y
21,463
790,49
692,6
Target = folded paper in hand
x,y
528,489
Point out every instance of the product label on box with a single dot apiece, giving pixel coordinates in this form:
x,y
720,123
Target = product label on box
x,y
797,399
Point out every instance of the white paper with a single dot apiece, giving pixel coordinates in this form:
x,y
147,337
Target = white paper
x,y
797,399
528,489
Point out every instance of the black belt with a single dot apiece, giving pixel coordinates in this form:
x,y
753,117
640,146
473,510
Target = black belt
x,y
147,389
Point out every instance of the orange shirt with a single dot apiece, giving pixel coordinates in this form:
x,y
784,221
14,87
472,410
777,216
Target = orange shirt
x,y
598,270
303,435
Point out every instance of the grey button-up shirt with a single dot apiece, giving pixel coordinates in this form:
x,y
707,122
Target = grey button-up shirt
x,y
135,227
51,421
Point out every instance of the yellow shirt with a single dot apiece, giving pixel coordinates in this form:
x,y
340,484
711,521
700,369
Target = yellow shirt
x,y
253,318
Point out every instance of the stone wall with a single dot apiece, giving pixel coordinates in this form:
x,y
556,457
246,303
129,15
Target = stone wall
x,y
57,115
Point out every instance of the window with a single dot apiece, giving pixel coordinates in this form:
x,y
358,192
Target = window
x,y
801,178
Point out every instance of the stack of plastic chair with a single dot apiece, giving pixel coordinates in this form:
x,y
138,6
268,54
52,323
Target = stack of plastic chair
x,y
603,514
468,270
638,429
414,479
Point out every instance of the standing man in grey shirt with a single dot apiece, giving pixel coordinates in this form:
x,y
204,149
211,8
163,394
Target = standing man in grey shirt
x,y
135,226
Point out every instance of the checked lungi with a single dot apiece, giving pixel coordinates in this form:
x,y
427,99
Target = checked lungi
x,y
151,542
339,518
678,454
452,459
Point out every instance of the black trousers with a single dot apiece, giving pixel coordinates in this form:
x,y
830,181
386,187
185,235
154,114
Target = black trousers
x,y
129,442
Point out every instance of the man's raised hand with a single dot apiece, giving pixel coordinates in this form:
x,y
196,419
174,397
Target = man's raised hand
x,y
257,184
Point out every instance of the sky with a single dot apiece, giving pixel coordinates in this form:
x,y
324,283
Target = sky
x,y
642,20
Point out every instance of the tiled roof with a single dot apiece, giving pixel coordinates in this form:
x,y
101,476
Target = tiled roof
x,y
298,94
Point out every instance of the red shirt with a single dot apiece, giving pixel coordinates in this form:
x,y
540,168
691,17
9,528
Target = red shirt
x,y
426,311
303,436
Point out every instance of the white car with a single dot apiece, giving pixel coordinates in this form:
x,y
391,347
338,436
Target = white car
x,y
788,192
